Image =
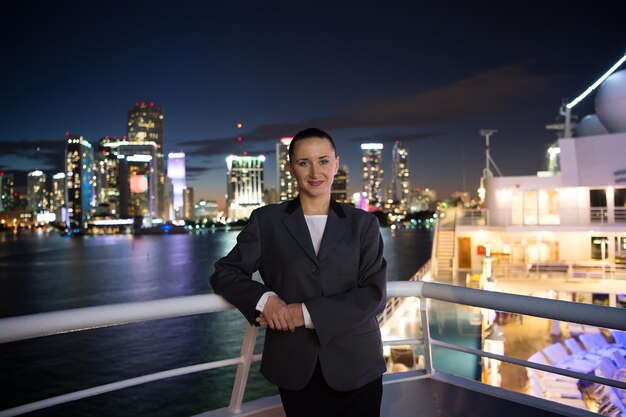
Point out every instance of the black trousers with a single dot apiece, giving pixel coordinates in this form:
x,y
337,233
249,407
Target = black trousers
x,y
317,399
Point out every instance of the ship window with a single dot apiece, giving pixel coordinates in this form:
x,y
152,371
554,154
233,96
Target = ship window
x,y
548,207
620,197
530,207
597,198
599,247
620,250
620,205
517,208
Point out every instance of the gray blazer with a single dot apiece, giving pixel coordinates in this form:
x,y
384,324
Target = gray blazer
x,y
343,288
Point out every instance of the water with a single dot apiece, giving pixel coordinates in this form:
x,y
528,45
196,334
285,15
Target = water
x,y
41,273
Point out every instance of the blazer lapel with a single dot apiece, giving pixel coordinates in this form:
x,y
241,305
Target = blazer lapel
x,y
296,225
335,228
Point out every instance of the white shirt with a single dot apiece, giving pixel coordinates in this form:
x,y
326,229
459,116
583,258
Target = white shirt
x,y
316,225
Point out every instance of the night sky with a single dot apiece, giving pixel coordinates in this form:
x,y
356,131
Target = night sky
x,y
428,75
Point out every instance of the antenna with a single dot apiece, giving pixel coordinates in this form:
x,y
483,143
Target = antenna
x,y
488,159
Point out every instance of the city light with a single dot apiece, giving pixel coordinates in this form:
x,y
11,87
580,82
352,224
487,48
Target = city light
x,y
371,146
139,158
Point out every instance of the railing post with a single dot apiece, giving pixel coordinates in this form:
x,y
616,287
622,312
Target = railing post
x,y
428,363
243,369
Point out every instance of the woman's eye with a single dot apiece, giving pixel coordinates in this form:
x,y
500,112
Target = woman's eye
x,y
303,163
323,161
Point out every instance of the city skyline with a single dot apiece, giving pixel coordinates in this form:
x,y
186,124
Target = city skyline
x,y
370,73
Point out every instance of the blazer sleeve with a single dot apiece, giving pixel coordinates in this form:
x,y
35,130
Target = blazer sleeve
x,y
341,313
232,278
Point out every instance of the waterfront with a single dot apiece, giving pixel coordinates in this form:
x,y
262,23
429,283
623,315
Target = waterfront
x,y
46,273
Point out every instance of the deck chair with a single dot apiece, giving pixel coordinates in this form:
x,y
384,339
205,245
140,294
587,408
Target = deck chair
x,y
403,355
558,355
573,346
620,337
597,343
619,360
548,377
578,351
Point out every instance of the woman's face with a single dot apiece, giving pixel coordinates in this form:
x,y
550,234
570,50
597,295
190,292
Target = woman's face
x,y
314,166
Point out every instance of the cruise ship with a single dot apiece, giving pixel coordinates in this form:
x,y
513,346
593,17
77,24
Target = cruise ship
x,y
543,247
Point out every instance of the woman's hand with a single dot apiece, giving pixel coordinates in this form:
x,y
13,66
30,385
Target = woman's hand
x,y
277,315
295,311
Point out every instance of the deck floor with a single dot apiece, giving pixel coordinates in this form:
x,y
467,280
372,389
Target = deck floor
x,y
522,339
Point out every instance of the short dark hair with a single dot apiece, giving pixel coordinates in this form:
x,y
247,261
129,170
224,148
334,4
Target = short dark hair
x,y
311,132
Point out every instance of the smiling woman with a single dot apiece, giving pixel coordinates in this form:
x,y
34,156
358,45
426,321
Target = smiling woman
x,y
324,278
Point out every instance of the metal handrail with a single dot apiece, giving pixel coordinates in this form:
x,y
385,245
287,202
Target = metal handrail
x,y
44,324
394,303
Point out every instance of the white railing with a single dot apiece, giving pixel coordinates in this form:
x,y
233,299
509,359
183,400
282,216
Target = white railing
x,y
620,215
559,269
564,217
599,215
44,324
474,217
393,303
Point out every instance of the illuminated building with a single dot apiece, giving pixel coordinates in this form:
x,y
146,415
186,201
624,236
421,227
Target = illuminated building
x,y
176,173
188,206
137,179
287,186
339,190
206,209
422,200
107,173
400,175
373,172
244,185
80,183
57,197
145,124
7,192
36,191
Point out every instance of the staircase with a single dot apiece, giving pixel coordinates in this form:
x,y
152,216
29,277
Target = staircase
x,y
443,247
445,254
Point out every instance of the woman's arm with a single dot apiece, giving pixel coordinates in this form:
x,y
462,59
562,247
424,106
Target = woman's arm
x,y
232,279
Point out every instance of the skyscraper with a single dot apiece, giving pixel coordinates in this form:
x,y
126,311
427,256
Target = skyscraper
x,y
188,207
400,176
287,186
7,192
80,183
36,191
339,190
373,172
176,173
145,124
138,179
57,197
107,173
244,184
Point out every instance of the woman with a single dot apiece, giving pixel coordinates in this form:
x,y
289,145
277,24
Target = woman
x,y
324,280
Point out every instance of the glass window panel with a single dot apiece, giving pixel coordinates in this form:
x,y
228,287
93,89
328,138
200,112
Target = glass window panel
x,y
548,207
517,209
530,207
597,198
599,244
620,197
